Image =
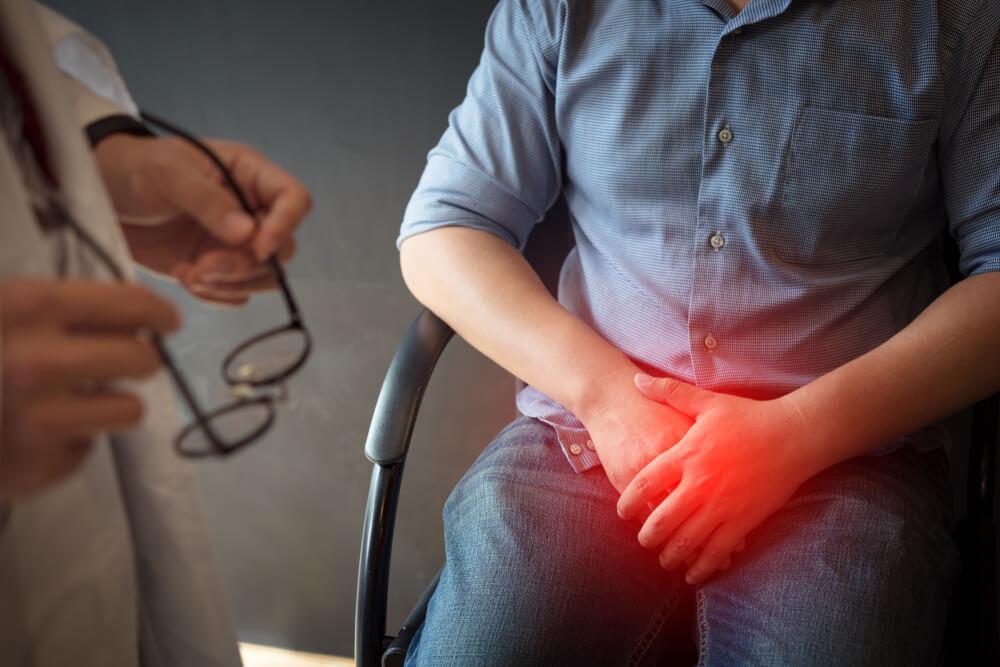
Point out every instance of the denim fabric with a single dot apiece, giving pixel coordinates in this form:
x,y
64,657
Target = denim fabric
x,y
855,570
756,199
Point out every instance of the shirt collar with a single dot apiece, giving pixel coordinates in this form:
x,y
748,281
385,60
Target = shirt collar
x,y
755,11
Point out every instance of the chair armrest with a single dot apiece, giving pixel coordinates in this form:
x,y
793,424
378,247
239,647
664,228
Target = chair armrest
x,y
387,444
403,388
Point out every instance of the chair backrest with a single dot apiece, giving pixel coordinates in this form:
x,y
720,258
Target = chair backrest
x,y
549,243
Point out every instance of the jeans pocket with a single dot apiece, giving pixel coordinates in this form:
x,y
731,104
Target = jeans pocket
x,y
849,179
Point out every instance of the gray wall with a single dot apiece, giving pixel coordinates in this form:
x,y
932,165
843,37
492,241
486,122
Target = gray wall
x,y
349,96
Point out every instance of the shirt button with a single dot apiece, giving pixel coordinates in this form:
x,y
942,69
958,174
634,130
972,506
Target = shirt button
x,y
590,446
710,342
717,241
575,449
725,135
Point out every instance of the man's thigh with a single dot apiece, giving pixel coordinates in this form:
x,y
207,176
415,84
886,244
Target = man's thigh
x,y
540,569
855,570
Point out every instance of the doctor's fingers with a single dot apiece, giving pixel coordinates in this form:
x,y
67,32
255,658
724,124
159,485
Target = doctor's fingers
x,y
221,265
39,361
26,470
47,438
231,280
84,305
207,200
285,201
49,422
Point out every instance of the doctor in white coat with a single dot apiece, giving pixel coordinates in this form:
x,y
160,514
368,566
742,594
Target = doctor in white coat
x,y
104,559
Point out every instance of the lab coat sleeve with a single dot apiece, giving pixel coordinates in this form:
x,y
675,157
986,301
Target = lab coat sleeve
x,y
91,75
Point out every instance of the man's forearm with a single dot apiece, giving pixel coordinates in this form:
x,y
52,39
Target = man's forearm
x,y
491,296
942,362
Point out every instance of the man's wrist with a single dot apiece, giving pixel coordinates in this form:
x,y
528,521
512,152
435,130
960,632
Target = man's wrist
x,y
819,440
594,392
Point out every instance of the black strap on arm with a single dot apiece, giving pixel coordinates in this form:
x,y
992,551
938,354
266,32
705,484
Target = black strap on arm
x,y
117,124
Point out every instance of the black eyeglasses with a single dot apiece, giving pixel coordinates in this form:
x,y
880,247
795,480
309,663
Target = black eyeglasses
x,y
255,370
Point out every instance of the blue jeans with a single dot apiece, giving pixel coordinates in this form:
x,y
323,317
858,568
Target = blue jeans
x,y
855,570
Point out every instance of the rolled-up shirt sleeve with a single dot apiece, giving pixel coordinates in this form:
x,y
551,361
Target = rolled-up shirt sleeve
x,y
970,157
497,166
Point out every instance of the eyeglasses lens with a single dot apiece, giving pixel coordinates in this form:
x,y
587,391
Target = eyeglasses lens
x,y
232,426
268,358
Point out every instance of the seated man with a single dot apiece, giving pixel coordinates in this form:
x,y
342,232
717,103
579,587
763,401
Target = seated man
x,y
755,335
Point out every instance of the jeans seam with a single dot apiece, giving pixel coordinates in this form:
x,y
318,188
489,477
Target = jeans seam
x,y
656,625
702,629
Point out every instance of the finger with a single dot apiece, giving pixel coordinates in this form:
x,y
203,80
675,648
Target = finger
x,y
225,264
217,296
690,535
658,478
648,508
667,516
281,221
232,265
692,558
683,397
206,199
88,305
72,416
287,251
244,289
741,545
716,551
285,199
36,471
51,359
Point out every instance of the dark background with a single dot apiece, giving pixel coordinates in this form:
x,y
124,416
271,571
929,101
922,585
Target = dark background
x,y
349,96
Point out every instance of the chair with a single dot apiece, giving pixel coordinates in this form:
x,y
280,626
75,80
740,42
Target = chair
x,y
972,626
389,440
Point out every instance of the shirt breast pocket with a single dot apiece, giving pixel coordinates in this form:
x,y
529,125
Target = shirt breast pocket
x,y
849,179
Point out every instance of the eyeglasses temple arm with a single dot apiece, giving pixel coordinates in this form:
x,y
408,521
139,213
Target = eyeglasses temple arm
x,y
182,385
273,261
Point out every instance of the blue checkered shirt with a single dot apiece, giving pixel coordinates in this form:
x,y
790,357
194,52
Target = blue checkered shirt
x,y
757,198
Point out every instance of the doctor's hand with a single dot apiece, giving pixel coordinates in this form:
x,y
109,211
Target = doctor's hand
x,y
738,464
182,221
62,346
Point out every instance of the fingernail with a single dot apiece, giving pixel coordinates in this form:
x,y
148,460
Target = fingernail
x,y
642,380
692,578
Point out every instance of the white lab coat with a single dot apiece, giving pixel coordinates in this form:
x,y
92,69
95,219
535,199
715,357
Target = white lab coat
x,y
112,566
